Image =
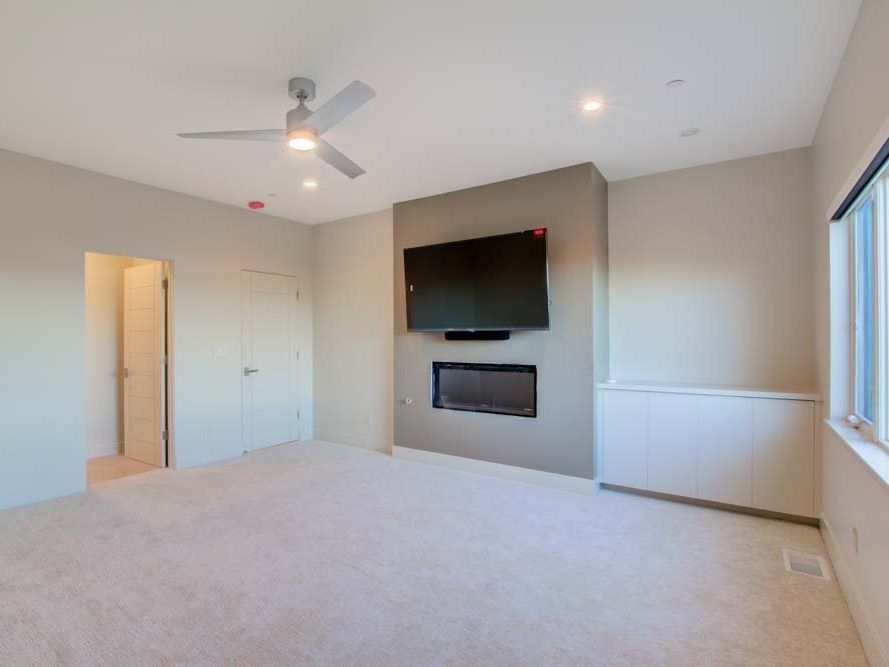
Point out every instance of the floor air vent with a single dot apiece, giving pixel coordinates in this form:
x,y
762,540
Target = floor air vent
x,y
811,565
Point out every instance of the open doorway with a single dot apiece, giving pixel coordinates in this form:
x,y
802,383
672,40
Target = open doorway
x,y
127,317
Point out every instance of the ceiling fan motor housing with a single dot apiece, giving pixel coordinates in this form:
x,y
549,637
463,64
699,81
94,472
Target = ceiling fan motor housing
x,y
296,116
301,89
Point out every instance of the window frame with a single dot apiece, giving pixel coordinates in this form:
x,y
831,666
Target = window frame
x,y
877,192
867,425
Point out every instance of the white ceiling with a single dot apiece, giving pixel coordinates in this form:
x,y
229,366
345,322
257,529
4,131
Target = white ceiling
x,y
468,92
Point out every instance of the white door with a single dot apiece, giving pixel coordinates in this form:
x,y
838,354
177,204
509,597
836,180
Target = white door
x,y
144,350
270,360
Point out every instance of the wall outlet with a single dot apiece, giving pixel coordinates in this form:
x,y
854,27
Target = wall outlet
x,y
855,540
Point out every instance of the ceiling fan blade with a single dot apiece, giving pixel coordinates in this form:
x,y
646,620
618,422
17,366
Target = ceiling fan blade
x,y
337,160
341,105
238,135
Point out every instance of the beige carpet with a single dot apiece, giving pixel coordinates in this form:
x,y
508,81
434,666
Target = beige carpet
x,y
326,555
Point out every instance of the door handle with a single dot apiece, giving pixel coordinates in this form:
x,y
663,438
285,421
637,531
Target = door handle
x,y
250,371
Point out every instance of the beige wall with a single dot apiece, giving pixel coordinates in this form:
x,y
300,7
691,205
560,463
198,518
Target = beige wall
x,y
855,110
353,339
103,338
711,274
51,215
858,106
571,203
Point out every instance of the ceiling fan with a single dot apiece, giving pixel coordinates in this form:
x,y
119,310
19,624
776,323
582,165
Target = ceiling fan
x,y
304,126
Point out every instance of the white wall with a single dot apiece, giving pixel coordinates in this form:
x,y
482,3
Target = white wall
x,y
855,110
853,497
858,106
711,274
103,338
353,339
52,215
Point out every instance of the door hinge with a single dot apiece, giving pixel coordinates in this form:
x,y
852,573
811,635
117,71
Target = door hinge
x,y
164,360
165,283
165,435
126,373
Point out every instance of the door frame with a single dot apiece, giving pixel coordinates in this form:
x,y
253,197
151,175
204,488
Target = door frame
x,y
169,383
297,373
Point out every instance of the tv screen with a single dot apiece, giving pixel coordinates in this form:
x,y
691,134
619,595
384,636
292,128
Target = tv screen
x,y
487,284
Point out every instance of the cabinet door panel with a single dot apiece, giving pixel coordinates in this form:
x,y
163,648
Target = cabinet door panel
x,y
673,444
726,449
783,456
625,436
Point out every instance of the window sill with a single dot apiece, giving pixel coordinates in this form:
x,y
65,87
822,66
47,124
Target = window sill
x,y
875,457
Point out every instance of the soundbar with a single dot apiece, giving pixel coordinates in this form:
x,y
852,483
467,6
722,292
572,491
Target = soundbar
x,y
477,335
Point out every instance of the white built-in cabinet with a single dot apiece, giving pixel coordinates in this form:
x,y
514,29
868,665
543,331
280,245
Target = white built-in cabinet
x,y
748,448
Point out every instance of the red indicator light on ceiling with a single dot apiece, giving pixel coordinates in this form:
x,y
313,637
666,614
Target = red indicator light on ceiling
x,y
255,205
541,231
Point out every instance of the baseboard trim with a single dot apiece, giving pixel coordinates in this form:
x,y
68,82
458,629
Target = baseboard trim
x,y
712,504
351,439
107,449
588,487
867,630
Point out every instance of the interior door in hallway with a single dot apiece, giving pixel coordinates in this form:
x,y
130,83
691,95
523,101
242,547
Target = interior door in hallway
x,y
270,360
144,363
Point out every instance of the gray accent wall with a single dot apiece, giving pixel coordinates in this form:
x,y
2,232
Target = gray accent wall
x,y
572,204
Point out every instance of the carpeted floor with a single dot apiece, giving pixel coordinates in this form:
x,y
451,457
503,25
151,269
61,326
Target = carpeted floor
x,y
326,555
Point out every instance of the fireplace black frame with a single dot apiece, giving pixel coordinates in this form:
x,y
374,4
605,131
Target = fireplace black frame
x,y
436,399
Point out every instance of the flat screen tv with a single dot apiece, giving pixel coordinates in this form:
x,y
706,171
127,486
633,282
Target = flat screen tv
x,y
493,283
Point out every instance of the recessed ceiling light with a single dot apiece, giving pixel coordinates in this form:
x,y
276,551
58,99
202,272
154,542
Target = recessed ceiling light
x,y
690,132
271,194
591,105
310,184
676,83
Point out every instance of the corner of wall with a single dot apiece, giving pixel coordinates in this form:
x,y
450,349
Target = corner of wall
x,y
353,334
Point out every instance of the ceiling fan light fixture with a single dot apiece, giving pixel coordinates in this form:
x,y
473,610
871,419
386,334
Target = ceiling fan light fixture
x,y
302,139
304,126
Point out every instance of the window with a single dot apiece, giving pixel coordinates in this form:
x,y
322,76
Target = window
x,y
868,225
863,320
